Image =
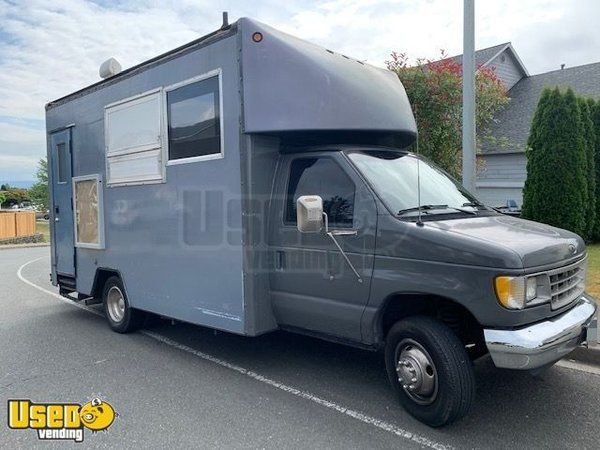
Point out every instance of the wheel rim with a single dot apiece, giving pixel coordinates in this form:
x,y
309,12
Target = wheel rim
x,y
416,372
115,304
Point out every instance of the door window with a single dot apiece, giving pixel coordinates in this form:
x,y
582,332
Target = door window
x,y
323,177
61,156
88,212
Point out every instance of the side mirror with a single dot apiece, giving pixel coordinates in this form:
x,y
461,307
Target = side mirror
x,y
309,213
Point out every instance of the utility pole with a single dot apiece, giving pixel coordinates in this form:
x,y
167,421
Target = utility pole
x,y
468,113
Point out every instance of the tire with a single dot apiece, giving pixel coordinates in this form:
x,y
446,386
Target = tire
x,y
123,318
443,388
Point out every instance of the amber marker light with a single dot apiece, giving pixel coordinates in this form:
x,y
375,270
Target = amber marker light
x,y
511,292
257,37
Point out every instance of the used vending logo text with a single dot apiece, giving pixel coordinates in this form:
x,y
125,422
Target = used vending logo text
x,y
60,421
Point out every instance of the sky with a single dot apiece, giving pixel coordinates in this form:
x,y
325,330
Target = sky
x,y
51,48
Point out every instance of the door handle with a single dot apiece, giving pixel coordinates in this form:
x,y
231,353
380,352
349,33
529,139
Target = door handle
x,y
344,232
279,260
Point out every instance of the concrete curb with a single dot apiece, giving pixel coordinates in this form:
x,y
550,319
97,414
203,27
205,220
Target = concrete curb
x,y
36,244
590,355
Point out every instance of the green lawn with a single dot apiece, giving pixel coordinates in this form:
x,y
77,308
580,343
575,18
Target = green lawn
x,y
42,226
593,277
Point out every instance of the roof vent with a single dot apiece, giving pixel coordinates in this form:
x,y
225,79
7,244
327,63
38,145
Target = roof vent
x,y
109,68
562,66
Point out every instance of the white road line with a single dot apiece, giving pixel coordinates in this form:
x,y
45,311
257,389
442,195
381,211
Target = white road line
x,y
369,420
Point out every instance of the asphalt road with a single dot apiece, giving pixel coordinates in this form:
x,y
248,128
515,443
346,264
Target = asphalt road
x,y
181,385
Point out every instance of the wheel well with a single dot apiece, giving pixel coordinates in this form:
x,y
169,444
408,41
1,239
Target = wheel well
x,y
100,279
454,315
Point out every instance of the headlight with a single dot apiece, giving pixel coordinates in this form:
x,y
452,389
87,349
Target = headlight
x,y
518,292
530,289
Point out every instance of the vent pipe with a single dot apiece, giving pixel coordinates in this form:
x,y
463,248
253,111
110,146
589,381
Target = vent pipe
x,y
225,20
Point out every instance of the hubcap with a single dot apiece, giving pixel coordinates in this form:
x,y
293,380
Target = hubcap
x,y
416,372
115,304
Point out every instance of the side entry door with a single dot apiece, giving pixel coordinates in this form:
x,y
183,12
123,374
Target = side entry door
x,y
62,202
312,285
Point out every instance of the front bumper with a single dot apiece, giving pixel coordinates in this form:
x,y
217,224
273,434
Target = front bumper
x,y
543,343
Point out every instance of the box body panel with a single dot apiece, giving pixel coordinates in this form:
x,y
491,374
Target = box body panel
x,y
177,244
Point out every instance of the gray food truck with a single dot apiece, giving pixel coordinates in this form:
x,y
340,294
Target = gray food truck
x,y
251,181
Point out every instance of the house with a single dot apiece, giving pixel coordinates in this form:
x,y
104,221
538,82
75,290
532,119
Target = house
x,y
502,164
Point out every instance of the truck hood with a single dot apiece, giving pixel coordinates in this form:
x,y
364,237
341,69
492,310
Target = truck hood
x,y
535,243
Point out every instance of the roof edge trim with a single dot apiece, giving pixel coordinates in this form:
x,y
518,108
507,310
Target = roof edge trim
x,y
509,46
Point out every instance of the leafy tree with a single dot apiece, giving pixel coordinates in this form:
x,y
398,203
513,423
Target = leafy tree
x,y
556,189
435,92
15,196
2,197
589,142
39,191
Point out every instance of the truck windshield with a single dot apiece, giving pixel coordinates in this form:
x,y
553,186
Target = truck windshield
x,y
394,175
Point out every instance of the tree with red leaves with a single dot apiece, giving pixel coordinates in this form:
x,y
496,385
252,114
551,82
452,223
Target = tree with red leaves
x,y
435,92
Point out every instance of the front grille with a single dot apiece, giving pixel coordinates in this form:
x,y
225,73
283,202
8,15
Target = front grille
x,y
567,283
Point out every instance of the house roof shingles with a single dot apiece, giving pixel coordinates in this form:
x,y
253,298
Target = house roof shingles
x,y
510,128
481,56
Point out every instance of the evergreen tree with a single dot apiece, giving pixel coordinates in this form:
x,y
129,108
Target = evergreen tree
x,y
589,138
596,122
556,189
533,165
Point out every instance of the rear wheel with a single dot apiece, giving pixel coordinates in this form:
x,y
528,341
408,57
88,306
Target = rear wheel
x,y
121,317
430,370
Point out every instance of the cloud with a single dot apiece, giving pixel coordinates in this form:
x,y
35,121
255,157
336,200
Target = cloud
x,y
19,133
48,49
22,144
15,162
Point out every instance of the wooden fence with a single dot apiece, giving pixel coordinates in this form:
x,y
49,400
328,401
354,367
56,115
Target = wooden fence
x,y
16,224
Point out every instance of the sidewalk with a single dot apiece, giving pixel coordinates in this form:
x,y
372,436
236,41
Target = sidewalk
x,y
32,244
590,355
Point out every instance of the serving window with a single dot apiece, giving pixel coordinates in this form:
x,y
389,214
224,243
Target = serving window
x,y
172,125
194,120
134,140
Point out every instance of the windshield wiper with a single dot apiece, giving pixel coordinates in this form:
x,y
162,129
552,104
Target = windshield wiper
x,y
427,208
423,208
475,205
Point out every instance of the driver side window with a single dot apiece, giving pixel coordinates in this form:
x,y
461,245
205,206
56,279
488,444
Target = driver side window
x,y
323,177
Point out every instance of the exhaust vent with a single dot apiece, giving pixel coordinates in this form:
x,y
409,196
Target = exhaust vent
x,y
109,68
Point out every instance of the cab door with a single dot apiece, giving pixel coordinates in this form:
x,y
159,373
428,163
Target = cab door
x,y
61,214
312,286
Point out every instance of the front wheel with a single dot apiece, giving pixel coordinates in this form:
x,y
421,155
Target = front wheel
x,y
430,370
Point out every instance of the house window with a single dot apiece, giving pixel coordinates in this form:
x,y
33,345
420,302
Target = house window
x,y
323,177
133,135
88,212
193,112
